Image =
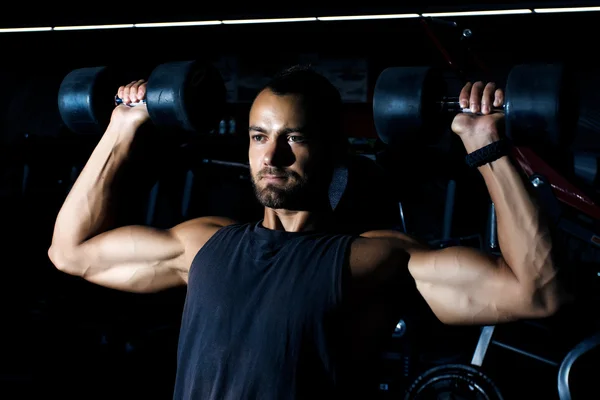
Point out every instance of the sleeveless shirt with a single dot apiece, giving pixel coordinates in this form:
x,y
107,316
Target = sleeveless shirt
x,y
262,316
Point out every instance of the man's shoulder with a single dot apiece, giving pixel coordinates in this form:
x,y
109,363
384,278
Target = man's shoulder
x,y
376,250
393,237
208,225
195,233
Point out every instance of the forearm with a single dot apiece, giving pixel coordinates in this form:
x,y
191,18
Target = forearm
x,y
523,235
87,206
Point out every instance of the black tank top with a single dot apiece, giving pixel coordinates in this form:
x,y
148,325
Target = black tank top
x,y
262,316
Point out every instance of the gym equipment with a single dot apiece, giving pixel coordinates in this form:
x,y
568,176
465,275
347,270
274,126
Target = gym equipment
x,y
460,380
185,95
405,103
470,381
539,107
453,381
82,99
564,390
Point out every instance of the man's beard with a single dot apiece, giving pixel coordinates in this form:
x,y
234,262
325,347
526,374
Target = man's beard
x,y
292,194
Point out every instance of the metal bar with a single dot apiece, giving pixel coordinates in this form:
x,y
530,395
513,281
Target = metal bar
x,y
525,353
445,54
588,344
482,345
449,210
487,331
454,106
492,238
152,204
402,217
187,193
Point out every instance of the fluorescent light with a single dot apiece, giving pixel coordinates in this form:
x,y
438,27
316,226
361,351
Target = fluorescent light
x,y
267,20
470,13
90,27
40,29
170,24
306,19
567,9
363,17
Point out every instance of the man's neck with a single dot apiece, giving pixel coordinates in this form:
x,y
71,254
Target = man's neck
x,y
294,221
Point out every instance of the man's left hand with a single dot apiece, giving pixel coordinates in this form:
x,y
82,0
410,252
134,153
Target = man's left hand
x,y
482,125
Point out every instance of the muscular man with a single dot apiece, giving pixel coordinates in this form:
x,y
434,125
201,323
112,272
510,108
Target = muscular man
x,y
284,308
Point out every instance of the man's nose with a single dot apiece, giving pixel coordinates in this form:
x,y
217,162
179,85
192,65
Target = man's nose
x,y
278,154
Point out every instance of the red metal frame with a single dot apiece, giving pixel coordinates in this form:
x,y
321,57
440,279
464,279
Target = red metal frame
x,y
565,192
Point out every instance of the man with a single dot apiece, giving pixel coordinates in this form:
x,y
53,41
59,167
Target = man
x,y
285,308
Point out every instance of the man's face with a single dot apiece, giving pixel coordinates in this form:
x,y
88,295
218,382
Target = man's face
x,y
283,154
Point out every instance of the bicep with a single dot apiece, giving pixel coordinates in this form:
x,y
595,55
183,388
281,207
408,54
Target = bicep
x,y
465,286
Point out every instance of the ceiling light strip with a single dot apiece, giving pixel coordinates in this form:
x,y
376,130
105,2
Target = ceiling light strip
x,y
566,9
173,24
39,29
367,17
478,13
267,20
307,19
91,27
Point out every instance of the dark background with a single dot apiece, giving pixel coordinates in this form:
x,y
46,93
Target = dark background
x,y
62,336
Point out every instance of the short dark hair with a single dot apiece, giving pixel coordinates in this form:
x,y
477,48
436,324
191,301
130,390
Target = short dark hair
x,y
321,96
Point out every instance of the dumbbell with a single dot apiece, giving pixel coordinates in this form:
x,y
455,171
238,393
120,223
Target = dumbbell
x,y
539,106
188,96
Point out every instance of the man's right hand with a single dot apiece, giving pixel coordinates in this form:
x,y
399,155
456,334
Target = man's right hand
x,y
136,258
134,92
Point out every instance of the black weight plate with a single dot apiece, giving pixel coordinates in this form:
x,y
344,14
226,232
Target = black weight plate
x,y
453,381
186,95
86,99
540,105
405,103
